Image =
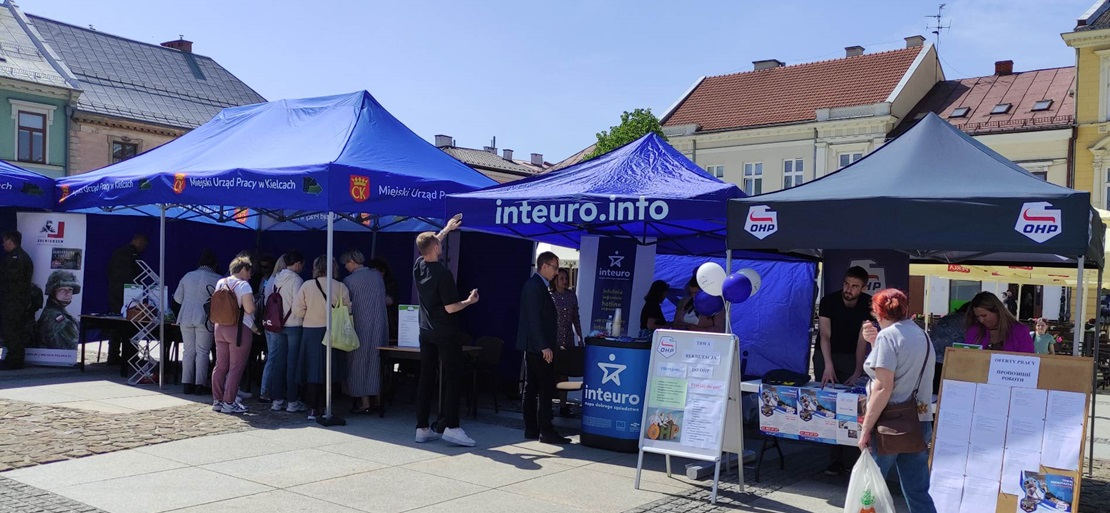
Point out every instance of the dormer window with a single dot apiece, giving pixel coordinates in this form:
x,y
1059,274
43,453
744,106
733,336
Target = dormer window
x,y
960,112
1001,108
1041,105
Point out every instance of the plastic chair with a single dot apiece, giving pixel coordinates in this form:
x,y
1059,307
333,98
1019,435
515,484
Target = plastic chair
x,y
487,363
570,362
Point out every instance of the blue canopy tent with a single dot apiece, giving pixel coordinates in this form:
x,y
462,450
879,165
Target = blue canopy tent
x,y
288,161
22,188
650,192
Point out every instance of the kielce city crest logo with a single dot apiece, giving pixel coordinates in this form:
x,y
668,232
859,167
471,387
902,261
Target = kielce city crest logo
x,y
65,193
360,188
178,183
761,221
1039,221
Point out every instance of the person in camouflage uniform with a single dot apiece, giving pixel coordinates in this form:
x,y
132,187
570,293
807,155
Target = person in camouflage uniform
x,y
57,328
15,299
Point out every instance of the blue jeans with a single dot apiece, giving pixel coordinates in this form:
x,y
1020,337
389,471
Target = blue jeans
x,y
294,367
273,374
913,472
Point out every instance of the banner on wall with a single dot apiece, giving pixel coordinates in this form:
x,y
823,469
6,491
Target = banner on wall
x,y
613,280
56,245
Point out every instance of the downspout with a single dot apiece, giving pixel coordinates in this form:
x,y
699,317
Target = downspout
x,y
694,154
814,157
1074,130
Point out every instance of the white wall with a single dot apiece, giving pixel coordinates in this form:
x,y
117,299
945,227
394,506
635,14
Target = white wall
x,y
937,290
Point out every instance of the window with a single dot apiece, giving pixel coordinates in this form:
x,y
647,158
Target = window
x,y
1042,105
32,137
960,112
1043,175
792,173
753,178
1001,108
123,150
717,171
848,158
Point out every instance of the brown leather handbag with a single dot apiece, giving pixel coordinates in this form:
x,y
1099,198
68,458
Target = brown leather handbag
x,y
898,430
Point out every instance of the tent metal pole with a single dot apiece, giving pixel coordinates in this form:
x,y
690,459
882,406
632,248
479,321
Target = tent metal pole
x,y
728,306
162,299
1094,376
1077,315
374,243
327,319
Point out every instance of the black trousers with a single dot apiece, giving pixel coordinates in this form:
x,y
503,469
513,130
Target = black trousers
x,y
539,390
15,332
434,353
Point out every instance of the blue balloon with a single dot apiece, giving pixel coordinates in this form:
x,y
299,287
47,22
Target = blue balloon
x,y
707,305
736,288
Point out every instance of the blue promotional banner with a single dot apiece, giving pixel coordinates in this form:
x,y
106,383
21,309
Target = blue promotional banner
x,y
613,279
613,388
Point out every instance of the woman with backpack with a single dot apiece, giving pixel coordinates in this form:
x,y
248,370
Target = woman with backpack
x,y
192,292
232,312
283,334
312,305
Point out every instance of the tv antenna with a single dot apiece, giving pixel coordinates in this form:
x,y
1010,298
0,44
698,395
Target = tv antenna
x,y
939,26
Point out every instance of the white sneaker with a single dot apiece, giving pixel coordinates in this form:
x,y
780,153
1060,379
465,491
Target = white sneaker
x,y
216,405
242,395
235,407
458,437
278,405
312,415
295,406
426,435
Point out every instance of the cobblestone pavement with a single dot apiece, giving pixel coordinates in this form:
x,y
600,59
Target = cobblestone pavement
x,y
16,497
33,434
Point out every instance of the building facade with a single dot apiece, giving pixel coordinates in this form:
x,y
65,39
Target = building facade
x,y
500,168
780,126
36,92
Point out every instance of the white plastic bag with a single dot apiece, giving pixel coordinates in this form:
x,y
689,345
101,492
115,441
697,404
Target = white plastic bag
x,y
867,491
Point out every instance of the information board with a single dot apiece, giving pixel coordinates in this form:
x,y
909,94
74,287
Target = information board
x,y
688,382
1009,432
408,325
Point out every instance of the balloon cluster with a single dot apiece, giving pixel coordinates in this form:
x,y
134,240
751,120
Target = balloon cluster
x,y
716,287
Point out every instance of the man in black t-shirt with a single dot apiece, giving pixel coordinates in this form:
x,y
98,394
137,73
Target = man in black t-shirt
x,y
841,349
439,341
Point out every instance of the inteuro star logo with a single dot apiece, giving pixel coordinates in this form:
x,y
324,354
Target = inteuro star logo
x,y
612,370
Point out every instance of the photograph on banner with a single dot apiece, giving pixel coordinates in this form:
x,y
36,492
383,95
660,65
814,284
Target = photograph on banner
x,y
1045,492
56,244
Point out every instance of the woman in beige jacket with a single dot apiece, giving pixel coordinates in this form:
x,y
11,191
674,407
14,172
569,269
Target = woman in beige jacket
x,y
312,305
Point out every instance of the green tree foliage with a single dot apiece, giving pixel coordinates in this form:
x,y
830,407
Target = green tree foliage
x,y
634,125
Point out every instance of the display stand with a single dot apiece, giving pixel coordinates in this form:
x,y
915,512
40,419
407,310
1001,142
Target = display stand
x,y
966,371
691,378
146,321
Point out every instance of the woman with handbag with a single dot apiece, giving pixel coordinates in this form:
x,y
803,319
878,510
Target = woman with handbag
x,y
312,305
898,423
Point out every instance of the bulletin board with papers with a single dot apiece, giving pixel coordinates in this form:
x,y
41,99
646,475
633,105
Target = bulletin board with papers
x,y
1009,432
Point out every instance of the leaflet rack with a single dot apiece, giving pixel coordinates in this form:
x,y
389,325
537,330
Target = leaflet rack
x,y
147,346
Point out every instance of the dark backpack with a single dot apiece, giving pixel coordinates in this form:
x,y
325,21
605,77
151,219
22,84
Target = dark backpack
x,y
224,307
273,313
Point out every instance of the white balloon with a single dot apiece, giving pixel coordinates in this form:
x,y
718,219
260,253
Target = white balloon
x,y
710,277
752,277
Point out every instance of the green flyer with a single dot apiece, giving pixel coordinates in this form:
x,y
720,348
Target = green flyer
x,y
668,393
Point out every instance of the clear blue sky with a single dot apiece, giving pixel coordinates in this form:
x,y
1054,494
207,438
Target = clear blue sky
x,y
544,77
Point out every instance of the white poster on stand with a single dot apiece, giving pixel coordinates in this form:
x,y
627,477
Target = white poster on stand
x,y
56,245
408,326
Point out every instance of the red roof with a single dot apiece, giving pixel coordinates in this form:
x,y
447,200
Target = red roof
x,y
792,94
982,94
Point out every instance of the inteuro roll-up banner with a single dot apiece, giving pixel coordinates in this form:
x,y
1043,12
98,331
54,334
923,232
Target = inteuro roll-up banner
x,y
56,245
616,272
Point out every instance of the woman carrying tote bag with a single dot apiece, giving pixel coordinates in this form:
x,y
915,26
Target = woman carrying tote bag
x,y
898,423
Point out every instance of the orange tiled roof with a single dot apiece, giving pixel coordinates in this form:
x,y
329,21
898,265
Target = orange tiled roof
x,y
792,94
1021,90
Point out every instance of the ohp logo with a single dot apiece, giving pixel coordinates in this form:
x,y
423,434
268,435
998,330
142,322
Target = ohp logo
x,y
761,221
667,347
1039,221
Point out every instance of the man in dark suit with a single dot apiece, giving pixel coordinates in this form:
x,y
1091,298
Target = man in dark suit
x,y
536,336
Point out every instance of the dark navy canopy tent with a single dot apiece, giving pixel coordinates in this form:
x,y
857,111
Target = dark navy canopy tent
x,y
644,190
342,153
287,161
934,193
22,188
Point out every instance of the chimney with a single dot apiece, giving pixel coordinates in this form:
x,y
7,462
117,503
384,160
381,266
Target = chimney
x,y
180,45
915,41
853,51
1003,68
490,149
508,154
768,64
537,159
444,141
